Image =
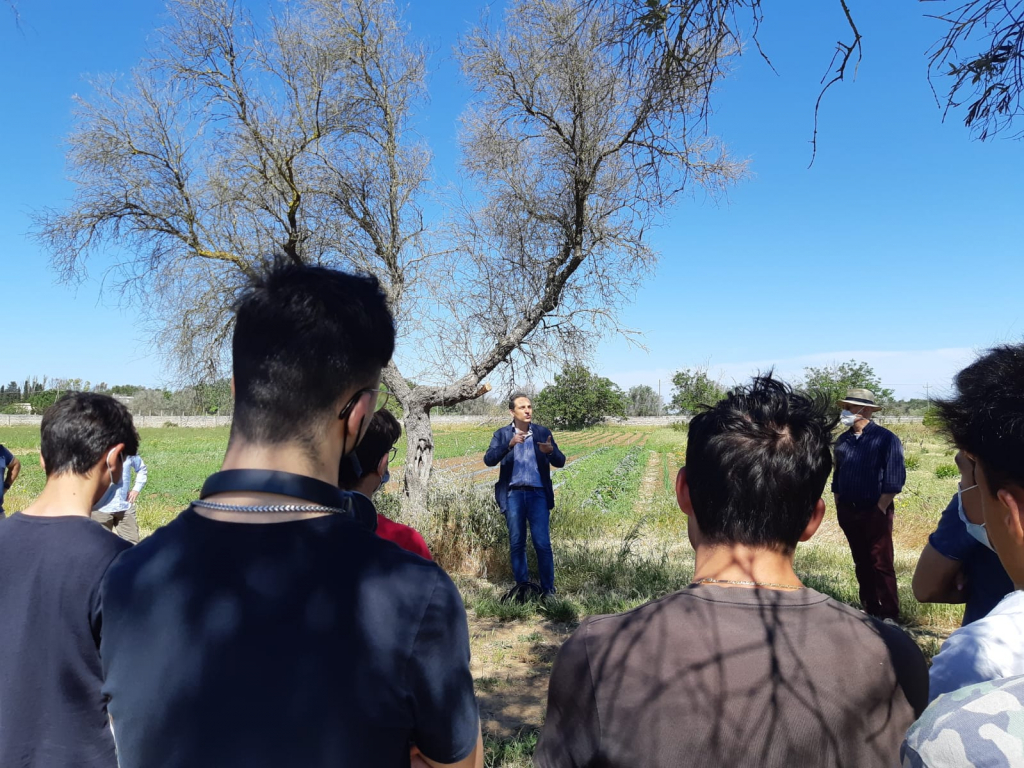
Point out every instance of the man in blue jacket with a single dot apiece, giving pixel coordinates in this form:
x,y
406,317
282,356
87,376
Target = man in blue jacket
x,y
526,453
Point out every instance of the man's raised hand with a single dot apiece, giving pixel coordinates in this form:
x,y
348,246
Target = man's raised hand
x,y
517,438
547,447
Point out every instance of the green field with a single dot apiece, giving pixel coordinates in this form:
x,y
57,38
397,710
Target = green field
x,y
619,541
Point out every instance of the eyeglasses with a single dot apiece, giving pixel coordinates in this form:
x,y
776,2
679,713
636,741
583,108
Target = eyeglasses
x,y
393,453
383,398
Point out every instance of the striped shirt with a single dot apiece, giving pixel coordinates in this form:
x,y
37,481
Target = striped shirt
x,y
868,465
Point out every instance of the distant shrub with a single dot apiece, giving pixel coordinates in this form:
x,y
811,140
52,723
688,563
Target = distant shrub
x,y
912,461
931,418
946,471
681,426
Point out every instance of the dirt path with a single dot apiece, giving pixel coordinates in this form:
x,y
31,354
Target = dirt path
x,y
511,665
650,484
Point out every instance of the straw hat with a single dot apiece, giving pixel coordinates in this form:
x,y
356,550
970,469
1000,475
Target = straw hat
x,y
860,398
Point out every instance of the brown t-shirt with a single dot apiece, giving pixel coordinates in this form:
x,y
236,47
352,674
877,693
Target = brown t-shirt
x,y
719,676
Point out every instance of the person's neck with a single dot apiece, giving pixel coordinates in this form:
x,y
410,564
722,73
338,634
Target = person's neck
x,y
284,457
66,495
860,424
522,426
737,562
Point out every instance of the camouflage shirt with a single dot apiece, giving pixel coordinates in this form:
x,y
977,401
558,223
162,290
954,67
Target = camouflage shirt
x,y
980,725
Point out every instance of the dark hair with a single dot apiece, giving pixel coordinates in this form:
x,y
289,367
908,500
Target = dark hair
x,y
515,396
986,415
303,337
80,428
381,434
757,463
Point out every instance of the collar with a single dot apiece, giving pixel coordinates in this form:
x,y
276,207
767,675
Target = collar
x,y
356,506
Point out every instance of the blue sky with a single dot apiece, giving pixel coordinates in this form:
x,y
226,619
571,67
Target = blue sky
x,y
898,247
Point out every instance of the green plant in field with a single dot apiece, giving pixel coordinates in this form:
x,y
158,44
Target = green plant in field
x,y
557,608
514,752
946,471
912,461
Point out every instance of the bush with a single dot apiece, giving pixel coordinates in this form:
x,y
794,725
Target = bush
x,y
946,471
912,461
931,418
579,399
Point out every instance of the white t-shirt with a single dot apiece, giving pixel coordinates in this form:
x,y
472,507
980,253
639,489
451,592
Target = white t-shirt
x,y
987,649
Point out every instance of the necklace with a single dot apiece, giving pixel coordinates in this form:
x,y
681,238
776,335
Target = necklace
x,y
217,507
747,583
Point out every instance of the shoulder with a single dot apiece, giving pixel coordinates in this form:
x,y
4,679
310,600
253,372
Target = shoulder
x,y
5,453
978,720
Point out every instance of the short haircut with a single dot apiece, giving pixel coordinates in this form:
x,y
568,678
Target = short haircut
x,y
757,463
303,337
79,429
381,434
985,416
515,396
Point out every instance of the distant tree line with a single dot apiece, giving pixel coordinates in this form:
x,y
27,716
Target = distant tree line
x,y
37,394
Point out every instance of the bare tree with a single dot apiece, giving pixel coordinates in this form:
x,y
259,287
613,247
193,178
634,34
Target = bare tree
x,y
990,78
237,140
982,50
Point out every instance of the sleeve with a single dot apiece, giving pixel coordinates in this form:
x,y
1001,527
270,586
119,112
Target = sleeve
x,y
909,665
418,545
441,686
572,726
141,473
894,471
497,450
964,659
7,455
557,458
950,539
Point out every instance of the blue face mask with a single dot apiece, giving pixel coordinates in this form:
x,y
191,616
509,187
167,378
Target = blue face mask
x,y
384,479
976,531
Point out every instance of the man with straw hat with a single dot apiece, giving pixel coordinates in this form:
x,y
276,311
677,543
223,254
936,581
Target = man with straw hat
x,y
869,472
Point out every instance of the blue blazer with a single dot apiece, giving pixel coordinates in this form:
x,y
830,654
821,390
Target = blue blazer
x,y
500,453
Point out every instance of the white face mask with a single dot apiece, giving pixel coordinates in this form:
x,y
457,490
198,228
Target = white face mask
x,y
847,418
976,531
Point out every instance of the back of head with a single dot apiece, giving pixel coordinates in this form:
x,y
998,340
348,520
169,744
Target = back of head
x,y
985,417
757,463
80,428
382,433
304,336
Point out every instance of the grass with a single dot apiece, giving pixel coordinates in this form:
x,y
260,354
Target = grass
x,y
619,541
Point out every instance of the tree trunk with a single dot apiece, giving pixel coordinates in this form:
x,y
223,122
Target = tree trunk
x,y
419,458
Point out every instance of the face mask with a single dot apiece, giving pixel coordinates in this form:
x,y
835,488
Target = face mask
x,y
847,418
976,531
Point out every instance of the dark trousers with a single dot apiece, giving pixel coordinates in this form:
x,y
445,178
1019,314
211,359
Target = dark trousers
x,y
530,506
869,531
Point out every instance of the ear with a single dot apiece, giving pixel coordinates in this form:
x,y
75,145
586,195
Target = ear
x,y
1012,517
357,420
232,387
816,517
382,465
683,492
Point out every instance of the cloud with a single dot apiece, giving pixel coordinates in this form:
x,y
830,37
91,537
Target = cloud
x,y
907,372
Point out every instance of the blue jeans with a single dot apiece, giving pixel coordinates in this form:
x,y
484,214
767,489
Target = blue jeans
x,y
530,506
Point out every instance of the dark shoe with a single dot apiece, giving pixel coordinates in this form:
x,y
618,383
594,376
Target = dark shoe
x,y
523,592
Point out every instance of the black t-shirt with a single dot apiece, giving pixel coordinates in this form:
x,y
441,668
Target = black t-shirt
x,y
52,711
307,643
713,676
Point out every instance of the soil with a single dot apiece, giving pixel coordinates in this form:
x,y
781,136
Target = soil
x,y
511,665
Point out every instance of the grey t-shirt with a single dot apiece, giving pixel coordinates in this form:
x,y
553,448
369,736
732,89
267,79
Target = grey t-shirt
x,y
714,676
